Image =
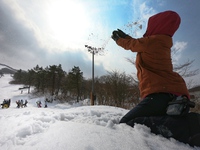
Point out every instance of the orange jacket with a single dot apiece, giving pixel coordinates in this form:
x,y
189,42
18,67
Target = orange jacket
x,y
153,62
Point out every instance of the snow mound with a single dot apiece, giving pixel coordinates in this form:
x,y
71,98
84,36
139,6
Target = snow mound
x,y
72,127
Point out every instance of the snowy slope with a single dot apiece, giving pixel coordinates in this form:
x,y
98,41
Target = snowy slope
x,y
71,127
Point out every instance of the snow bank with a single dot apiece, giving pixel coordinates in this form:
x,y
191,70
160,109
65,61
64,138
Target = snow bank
x,y
66,127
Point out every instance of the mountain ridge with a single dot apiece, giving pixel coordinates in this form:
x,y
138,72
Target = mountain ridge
x,y
7,69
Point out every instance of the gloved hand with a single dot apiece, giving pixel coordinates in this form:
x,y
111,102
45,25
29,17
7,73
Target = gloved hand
x,y
121,33
118,34
115,36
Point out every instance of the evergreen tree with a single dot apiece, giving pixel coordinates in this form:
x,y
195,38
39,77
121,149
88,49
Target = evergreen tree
x,y
75,78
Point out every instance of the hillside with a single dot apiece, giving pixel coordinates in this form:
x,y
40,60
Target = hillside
x,y
5,69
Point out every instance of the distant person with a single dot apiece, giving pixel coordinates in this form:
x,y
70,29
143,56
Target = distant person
x,y
6,103
39,104
2,105
25,103
45,103
22,102
18,103
158,83
9,101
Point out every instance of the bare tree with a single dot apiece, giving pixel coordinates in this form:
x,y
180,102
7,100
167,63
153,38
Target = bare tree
x,y
185,69
117,89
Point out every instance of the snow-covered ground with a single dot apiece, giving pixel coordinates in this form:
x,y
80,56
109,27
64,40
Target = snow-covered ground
x,y
71,127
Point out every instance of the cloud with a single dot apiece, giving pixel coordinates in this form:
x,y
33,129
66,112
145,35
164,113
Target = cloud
x,y
140,12
179,46
29,37
177,50
17,41
25,42
54,25
146,11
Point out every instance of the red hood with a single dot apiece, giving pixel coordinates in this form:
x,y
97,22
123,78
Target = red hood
x,y
163,23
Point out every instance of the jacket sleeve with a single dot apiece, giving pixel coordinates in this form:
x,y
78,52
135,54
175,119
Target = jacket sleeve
x,y
135,45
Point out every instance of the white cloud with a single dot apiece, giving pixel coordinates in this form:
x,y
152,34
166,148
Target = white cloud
x,y
141,13
146,11
59,26
180,45
177,49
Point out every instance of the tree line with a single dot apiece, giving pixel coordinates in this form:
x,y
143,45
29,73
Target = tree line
x,y
114,88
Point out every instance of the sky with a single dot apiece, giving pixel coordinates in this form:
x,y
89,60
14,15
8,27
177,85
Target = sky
x,y
49,32
71,127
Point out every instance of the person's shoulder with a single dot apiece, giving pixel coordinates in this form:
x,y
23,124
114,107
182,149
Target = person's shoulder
x,y
161,37
160,40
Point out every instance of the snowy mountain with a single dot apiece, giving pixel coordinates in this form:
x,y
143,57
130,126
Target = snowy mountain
x,y
71,127
5,69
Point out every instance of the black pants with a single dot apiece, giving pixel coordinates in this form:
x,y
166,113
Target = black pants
x,y
185,129
152,105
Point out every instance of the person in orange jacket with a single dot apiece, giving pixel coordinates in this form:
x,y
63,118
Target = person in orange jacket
x,y
158,83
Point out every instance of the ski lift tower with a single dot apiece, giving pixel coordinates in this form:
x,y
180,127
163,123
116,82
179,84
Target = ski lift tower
x,y
93,51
